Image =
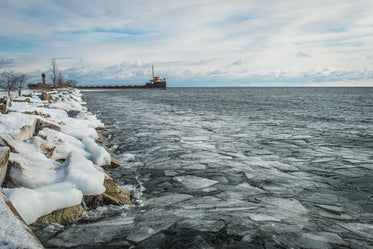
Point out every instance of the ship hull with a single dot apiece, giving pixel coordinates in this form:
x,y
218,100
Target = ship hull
x,y
155,86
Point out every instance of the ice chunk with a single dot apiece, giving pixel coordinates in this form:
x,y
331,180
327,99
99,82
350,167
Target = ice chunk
x,y
82,172
168,200
146,229
195,182
127,157
195,167
330,208
249,189
263,217
335,216
34,203
320,240
363,230
203,225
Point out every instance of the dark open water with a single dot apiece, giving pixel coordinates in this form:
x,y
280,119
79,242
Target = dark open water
x,y
234,168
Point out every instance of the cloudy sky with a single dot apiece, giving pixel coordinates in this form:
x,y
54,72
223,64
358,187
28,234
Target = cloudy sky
x,y
192,43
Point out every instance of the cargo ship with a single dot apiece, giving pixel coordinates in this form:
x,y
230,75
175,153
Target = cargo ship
x,y
155,83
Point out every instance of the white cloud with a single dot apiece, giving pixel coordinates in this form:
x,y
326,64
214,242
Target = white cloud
x,y
117,41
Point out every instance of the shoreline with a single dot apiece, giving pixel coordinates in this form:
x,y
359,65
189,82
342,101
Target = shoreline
x,y
54,163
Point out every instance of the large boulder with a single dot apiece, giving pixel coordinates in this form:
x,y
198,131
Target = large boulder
x,y
33,145
14,231
32,171
113,195
19,126
3,108
28,100
36,112
46,96
4,104
62,216
41,124
45,147
4,156
76,114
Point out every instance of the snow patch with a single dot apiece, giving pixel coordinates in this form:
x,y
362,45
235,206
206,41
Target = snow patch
x,y
81,172
34,203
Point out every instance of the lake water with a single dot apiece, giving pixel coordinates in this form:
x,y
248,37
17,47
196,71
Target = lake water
x,y
234,168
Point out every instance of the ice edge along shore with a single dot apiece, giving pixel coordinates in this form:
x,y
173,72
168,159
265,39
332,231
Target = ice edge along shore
x,y
51,162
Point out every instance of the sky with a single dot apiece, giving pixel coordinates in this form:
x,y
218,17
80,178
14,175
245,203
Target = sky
x,y
191,43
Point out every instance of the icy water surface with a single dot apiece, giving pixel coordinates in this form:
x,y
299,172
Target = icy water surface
x,y
234,168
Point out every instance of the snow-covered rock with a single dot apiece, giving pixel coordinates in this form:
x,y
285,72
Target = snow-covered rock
x,y
19,126
34,203
76,114
81,172
33,170
13,231
4,156
54,159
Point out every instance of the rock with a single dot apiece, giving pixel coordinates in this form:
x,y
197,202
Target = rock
x,y
46,147
22,100
100,139
31,171
3,100
109,150
35,112
14,231
4,104
93,201
105,128
41,124
26,132
113,195
46,96
115,163
3,108
62,216
7,140
76,114
4,156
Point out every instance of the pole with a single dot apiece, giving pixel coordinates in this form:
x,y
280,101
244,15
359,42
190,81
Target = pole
x,y
153,71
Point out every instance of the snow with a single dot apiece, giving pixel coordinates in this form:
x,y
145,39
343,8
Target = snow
x,y
34,203
99,155
81,172
41,185
64,143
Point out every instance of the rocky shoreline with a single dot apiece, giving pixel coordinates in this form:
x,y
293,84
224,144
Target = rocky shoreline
x,y
52,164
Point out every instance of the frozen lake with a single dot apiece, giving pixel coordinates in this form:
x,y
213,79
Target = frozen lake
x,y
234,168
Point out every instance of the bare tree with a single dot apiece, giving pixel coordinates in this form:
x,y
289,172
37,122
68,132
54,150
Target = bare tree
x,y
54,71
11,81
60,80
8,80
20,82
71,83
